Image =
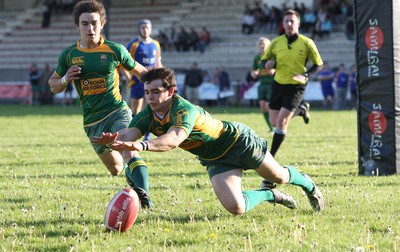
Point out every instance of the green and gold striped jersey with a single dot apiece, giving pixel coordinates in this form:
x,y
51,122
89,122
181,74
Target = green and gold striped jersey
x,y
208,138
263,77
98,83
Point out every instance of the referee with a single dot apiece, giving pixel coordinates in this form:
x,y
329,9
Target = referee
x,y
289,54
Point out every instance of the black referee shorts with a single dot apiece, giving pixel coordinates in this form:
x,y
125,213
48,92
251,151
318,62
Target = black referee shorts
x,y
288,96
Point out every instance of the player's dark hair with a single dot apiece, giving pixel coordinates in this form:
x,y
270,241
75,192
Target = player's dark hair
x,y
166,75
89,6
292,12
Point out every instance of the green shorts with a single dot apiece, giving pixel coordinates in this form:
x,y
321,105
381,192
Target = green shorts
x,y
118,120
264,91
247,153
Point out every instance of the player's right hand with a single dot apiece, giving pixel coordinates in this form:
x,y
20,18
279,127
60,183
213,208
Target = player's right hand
x,y
106,138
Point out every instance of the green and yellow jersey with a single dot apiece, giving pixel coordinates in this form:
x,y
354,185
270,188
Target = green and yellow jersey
x,y
98,83
263,76
208,138
292,60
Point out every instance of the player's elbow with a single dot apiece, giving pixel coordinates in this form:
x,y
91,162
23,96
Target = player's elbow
x,y
172,145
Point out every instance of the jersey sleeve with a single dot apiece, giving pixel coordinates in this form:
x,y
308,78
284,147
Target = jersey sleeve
x,y
141,121
255,63
126,59
158,48
314,55
184,118
62,66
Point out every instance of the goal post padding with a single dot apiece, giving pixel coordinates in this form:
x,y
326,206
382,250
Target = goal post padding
x,y
378,86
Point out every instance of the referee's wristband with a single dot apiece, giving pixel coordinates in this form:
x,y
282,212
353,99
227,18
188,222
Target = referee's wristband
x,y
145,145
64,81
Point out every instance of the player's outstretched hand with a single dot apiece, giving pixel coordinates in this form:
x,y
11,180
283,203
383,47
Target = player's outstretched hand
x,y
106,138
129,146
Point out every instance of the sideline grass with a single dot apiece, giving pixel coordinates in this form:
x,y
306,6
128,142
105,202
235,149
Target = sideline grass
x,y
53,192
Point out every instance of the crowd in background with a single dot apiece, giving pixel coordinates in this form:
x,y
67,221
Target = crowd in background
x,y
257,18
262,18
183,41
50,7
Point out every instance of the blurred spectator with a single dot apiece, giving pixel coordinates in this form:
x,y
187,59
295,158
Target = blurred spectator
x,y
259,16
344,12
342,83
182,42
350,29
64,6
193,39
206,76
46,96
248,23
34,78
273,20
353,86
267,12
246,84
323,28
326,26
297,8
224,85
321,17
163,40
173,39
193,80
47,9
326,77
204,39
309,20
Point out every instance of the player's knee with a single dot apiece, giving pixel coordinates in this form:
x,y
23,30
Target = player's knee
x,y
114,172
116,169
236,210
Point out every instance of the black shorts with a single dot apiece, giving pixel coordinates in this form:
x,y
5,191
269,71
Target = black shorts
x,y
288,96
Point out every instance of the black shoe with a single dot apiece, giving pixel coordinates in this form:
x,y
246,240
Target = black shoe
x,y
283,199
144,197
280,197
267,185
306,111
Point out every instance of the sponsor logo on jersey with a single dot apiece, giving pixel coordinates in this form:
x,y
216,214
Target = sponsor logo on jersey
x,y
189,144
149,61
93,86
257,153
179,115
103,59
79,60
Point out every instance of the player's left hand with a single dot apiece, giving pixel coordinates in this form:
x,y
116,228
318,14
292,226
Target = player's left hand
x,y
129,146
300,78
106,138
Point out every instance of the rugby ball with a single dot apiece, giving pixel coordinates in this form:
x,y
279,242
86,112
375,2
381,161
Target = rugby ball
x,y
122,210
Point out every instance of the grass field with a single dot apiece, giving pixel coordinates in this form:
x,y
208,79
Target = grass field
x,y
53,192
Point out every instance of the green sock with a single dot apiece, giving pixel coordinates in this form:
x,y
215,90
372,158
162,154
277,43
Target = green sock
x,y
266,117
137,173
255,197
296,178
